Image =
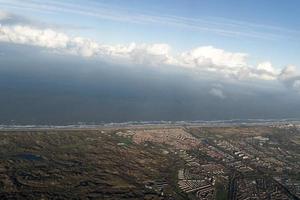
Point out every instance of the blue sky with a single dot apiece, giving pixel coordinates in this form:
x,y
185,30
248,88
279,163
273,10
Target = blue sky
x,y
266,30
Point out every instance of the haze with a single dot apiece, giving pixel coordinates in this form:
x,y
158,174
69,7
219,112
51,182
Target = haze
x,y
117,61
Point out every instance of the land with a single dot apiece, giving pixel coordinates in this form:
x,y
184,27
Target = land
x,y
151,162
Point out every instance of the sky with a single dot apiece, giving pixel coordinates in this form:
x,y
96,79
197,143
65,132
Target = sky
x,y
178,60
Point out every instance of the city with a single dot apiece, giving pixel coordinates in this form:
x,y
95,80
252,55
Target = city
x,y
152,162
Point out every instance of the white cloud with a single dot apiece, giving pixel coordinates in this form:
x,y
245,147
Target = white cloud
x,y
214,58
206,58
228,63
153,54
289,72
217,92
267,67
25,35
60,42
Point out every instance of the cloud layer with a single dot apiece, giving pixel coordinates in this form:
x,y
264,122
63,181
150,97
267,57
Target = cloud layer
x,y
234,65
205,58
